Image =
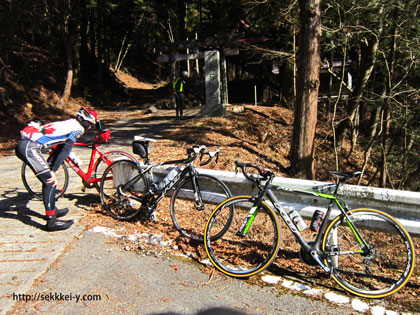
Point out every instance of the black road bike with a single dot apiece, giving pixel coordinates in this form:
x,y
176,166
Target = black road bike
x,y
366,251
130,189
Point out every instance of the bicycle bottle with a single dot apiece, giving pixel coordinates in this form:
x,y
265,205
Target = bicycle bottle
x,y
76,160
169,177
316,220
297,220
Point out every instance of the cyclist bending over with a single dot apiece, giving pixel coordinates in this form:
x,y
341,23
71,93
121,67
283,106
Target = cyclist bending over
x,y
28,149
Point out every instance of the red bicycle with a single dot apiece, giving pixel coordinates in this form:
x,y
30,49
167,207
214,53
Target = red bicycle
x,y
91,178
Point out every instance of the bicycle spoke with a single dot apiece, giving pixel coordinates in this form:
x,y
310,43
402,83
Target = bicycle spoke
x,y
190,209
371,269
102,165
238,255
122,203
34,186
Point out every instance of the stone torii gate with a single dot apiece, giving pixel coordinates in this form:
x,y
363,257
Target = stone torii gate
x,y
214,51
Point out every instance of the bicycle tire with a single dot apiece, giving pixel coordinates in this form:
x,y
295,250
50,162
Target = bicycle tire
x,y
103,163
118,174
34,186
239,256
186,216
374,272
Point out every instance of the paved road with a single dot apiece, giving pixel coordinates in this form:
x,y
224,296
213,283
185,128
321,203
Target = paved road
x,y
78,271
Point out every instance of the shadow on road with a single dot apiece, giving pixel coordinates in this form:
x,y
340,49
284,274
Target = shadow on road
x,y
14,206
211,311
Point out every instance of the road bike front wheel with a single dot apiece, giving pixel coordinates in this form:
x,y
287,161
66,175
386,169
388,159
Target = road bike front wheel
x,y
34,186
103,163
370,253
192,204
242,254
119,193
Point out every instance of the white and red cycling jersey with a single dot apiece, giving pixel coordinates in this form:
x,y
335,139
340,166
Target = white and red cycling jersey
x,y
53,133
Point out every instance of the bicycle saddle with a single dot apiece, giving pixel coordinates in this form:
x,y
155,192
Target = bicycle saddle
x,y
143,139
345,175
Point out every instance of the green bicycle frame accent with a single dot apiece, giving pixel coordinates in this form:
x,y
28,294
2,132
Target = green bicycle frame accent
x,y
333,200
248,221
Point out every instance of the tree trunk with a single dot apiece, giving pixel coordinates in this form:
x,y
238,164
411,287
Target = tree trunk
x,y
172,69
387,108
367,64
181,19
294,62
69,82
309,63
181,28
84,58
223,72
368,61
68,36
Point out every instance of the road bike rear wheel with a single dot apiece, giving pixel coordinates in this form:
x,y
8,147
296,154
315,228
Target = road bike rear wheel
x,y
103,163
371,254
242,256
189,219
34,186
118,198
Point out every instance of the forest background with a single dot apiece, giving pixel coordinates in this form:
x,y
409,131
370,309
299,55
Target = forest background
x,y
367,89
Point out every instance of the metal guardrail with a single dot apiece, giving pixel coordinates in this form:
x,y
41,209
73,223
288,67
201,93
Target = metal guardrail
x,y
403,205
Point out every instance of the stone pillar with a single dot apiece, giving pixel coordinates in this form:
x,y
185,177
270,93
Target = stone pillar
x,y
213,106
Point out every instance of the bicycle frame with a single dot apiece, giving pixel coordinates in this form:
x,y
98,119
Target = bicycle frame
x,y
189,169
366,251
315,247
87,177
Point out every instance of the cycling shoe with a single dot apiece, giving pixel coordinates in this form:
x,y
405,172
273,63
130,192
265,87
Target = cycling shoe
x,y
61,212
58,225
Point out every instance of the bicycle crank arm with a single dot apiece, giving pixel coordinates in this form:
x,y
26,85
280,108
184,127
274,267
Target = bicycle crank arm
x,y
121,193
315,256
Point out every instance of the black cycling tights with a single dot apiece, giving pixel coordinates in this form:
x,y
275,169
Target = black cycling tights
x,y
48,193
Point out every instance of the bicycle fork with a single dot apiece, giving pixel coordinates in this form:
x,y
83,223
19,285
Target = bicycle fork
x,y
251,215
248,221
198,198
